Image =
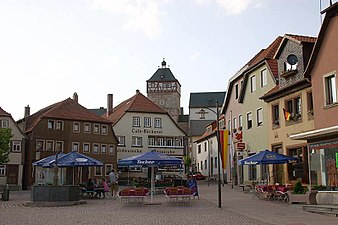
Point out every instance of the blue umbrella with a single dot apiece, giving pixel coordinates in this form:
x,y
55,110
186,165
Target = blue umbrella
x,y
150,159
267,157
72,159
45,162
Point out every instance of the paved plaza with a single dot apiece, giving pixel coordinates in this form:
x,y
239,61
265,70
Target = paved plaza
x,y
237,208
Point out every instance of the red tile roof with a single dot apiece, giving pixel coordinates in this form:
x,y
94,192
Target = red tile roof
x,y
4,113
67,110
301,38
137,103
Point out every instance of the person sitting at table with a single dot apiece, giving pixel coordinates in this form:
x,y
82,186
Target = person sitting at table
x,y
105,187
90,187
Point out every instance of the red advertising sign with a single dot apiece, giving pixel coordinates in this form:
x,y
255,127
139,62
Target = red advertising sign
x,y
240,145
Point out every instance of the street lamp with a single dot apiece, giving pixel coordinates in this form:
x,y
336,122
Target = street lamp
x,y
202,112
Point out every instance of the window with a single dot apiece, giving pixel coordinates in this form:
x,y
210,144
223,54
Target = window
x,y
49,145
59,125
4,123
234,122
112,149
104,129
289,67
59,146
122,140
96,128
253,84
16,146
51,124
160,141
294,107
76,127
151,141
240,121
2,170
136,121
98,170
264,78
158,123
169,142
259,117
95,148
216,163
40,145
136,141
236,91
103,148
147,122
229,124
201,165
330,90
205,164
87,128
249,120
310,103
108,168
205,146
75,146
86,147
275,115
199,148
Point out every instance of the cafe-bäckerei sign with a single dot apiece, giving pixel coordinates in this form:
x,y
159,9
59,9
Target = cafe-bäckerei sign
x,y
145,131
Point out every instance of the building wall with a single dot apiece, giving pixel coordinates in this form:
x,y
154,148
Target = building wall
x,y
326,64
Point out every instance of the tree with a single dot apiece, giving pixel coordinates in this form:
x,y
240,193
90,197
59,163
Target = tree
x,y
187,163
5,138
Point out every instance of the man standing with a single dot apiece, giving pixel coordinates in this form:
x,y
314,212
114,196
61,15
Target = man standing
x,y
113,183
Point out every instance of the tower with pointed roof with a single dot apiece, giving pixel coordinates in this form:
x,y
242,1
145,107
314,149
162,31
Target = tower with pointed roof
x,y
165,90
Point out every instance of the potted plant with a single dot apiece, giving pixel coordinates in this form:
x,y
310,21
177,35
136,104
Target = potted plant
x,y
301,194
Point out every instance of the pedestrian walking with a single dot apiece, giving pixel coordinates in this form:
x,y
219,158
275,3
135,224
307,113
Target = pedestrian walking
x,y
113,179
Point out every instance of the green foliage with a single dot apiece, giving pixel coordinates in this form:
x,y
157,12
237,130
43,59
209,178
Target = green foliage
x,y
299,189
187,161
319,187
5,138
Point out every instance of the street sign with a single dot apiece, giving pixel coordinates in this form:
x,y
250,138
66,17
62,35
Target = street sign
x,y
240,145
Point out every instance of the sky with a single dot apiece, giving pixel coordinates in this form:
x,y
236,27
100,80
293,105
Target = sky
x,y
52,48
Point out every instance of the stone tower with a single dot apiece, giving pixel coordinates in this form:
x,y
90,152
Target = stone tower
x,y
165,90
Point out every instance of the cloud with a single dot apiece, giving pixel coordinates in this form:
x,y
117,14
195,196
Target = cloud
x,y
194,56
237,6
138,15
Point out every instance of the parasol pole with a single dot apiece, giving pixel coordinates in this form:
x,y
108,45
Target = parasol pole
x,y
152,184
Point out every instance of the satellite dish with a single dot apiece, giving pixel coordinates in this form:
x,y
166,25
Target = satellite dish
x,y
292,59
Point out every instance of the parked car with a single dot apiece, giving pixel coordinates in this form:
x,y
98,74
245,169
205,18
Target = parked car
x,y
166,179
197,175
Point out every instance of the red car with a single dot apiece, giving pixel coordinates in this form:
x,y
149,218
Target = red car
x,y
198,175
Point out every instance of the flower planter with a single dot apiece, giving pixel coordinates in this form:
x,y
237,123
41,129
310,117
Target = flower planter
x,y
308,198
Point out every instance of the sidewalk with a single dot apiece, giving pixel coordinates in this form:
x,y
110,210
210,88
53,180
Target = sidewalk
x,y
247,204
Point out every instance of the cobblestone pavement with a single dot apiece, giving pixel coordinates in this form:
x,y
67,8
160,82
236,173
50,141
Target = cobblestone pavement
x,y
237,208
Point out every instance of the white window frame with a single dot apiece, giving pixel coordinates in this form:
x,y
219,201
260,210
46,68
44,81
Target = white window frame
x,y
240,121
2,170
52,142
252,83
112,149
169,142
136,141
86,128
236,91
104,129
158,122
264,78
16,146
248,119
160,141
96,128
96,148
136,121
330,89
4,123
147,121
104,148
39,141
151,141
75,146
59,125
51,124
76,127
259,117
122,140
98,170
62,144
84,147
108,168
234,122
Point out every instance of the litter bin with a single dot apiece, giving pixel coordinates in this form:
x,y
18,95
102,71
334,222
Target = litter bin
x,y
5,195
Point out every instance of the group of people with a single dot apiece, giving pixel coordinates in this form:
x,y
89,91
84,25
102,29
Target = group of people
x,y
101,188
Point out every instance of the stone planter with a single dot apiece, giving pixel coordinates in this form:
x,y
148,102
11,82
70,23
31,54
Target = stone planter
x,y
308,198
327,197
48,193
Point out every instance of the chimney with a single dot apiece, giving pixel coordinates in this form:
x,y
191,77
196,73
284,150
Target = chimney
x,y
181,111
109,104
75,97
27,111
137,91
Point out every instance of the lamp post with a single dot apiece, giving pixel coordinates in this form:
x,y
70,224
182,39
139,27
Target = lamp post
x,y
219,153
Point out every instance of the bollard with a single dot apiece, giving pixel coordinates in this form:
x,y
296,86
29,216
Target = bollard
x,y
5,195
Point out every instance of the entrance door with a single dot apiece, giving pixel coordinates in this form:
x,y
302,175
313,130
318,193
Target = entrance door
x,y
12,174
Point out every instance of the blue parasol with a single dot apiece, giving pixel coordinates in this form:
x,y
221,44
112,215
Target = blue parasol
x,y
267,157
